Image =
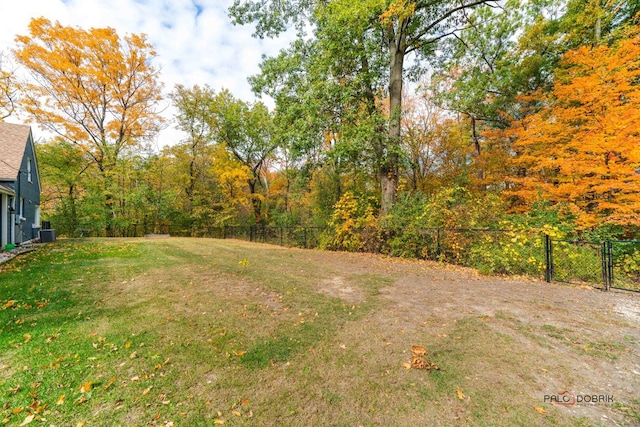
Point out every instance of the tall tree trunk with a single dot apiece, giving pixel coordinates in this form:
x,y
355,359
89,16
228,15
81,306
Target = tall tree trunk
x,y
255,201
388,167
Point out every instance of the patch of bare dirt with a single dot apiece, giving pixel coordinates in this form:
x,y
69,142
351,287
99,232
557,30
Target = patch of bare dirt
x,y
567,337
340,287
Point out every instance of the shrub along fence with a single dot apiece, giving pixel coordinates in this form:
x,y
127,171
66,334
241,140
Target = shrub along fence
x,y
605,264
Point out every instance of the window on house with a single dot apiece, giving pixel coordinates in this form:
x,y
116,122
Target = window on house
x,y
36,220
22,207
29,170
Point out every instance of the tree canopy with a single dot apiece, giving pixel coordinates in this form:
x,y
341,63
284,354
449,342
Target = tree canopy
x,y
389,115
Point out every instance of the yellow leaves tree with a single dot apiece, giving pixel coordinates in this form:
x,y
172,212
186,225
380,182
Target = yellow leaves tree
x,y
93,89
581,144
8,90
231,178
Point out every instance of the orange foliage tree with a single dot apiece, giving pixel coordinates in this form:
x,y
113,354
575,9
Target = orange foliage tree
x,y
579,144
93,89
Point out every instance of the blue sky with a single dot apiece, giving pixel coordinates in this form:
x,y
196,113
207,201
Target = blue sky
x,y
195,40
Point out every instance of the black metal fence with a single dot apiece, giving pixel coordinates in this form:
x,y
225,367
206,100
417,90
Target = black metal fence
x,y
605,264
609,264
301,237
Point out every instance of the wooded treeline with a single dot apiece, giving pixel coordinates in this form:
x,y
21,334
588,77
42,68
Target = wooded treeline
x,y
389,114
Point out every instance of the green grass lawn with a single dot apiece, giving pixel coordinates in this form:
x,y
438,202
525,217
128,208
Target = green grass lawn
x,y
202,332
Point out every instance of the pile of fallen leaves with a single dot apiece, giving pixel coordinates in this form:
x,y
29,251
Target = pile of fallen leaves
x,y
419,359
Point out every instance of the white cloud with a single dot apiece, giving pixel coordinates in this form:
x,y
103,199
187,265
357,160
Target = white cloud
x,y
195,40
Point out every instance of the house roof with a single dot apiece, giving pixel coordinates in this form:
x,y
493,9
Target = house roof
x,y
13,141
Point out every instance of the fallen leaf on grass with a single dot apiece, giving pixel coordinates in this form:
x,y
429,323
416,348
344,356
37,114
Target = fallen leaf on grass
x,y
81,400
111,382
133,355
460,394
239,353
27,420
86,387
9,304
52,337
60,400
406,365
80,424
146,390
539,410
27,338
236,413
219,421
17,410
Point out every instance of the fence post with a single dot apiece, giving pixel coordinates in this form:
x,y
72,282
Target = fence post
x,y
548,259
611,265
608,255
305,237
438,249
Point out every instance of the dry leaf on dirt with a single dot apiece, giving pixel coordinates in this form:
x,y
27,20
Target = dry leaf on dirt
x,y
419,363
460,394
539,410
418,350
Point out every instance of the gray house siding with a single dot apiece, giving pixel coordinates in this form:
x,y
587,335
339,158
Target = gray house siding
x,y
19,185
28,192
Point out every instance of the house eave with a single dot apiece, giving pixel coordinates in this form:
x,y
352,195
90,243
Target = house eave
x,y
7,190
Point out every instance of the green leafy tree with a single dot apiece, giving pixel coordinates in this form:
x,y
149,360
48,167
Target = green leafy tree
x,y
194,154
369,42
